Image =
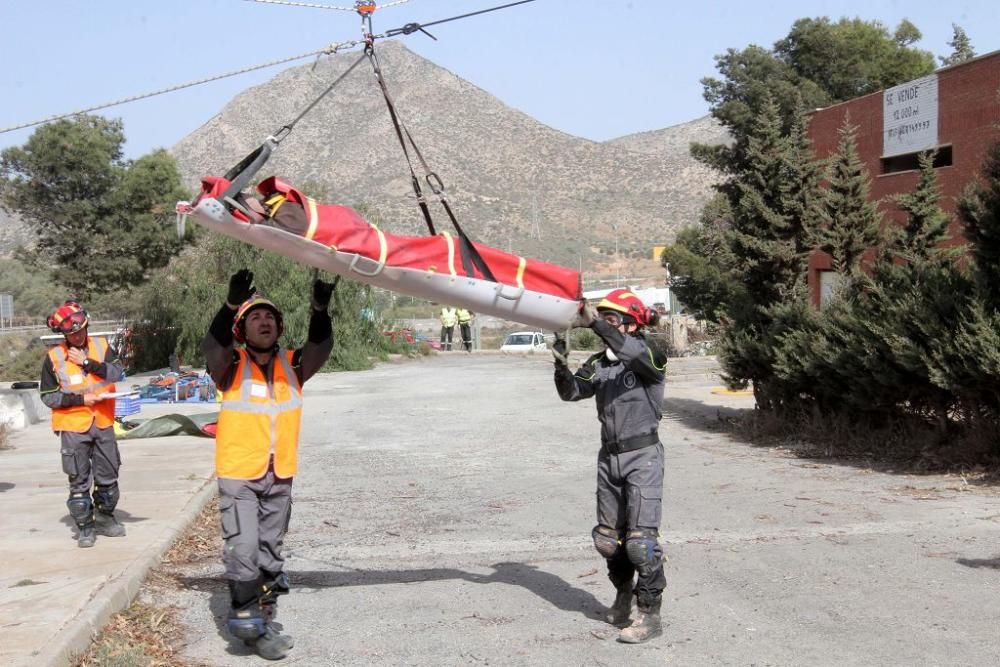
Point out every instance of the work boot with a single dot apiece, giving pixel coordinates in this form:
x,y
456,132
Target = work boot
x,y
620,612
272,645
646,625
108,526
86,537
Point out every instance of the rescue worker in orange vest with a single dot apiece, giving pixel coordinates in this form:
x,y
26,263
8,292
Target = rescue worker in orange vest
x,y
75,375
256,449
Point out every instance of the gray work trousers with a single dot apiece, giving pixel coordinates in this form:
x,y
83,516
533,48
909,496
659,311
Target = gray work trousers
x,y
630,497
89,458
255,515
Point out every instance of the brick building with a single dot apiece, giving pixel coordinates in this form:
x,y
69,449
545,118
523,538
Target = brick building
x,y
955,110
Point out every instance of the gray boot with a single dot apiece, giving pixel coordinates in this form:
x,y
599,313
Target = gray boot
x,y
107,525
646,625
620,612
272,645
87,536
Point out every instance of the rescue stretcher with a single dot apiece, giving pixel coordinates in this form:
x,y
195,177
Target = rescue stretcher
x,y
437,268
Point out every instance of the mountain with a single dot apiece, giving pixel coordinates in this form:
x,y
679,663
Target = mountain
x,y
513,182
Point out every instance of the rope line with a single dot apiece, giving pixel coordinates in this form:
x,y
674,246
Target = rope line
x,y
310,5
329,50
413,27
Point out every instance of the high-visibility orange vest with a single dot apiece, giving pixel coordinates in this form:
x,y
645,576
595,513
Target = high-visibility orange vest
x,y
72,380
257,420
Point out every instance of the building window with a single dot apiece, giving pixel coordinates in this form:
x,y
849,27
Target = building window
x,y
911,161
829,283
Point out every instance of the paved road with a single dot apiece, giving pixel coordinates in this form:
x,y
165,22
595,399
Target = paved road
x,y
443,513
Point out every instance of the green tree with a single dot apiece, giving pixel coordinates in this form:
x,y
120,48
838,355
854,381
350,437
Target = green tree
x,y
817,64
979,210
927,224
100,220
961,47
850,223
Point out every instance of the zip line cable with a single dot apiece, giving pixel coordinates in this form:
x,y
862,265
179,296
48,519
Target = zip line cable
x,y
289,3
413,27
329,50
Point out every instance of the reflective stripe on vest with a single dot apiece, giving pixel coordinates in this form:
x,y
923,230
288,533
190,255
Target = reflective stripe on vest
x,y
448,317
258,420
464,316
73,380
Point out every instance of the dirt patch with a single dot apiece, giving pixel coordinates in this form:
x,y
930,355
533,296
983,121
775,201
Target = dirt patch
x,y
149,634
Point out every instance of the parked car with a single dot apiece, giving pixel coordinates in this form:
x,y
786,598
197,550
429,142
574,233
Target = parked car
x,y
521,342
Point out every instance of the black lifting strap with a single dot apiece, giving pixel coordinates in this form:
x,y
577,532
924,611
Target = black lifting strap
x,y
471,259
240,175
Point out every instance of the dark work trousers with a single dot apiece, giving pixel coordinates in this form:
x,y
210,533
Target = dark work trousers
x,y
466,337
255,515
446,336
630,496
90,457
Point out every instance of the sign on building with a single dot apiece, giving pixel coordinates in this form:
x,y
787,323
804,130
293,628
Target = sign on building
x,y
910,117
6,310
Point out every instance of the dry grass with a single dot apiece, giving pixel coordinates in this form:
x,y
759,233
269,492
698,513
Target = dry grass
x,y
150,635
904,446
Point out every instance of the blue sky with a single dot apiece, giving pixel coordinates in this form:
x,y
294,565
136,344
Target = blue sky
x,y
591,68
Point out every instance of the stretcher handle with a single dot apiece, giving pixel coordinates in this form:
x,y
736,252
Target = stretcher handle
x,y
519,292
354,267
240,175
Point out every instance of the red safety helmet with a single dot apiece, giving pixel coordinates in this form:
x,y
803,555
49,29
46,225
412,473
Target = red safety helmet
x,y
239,320
68,318
628,305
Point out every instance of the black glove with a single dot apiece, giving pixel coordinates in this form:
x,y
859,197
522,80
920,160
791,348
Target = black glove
x,y
322,292
559,350
240,287
585,317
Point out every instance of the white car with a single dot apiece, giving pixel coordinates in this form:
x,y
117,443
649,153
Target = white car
x,y
524,342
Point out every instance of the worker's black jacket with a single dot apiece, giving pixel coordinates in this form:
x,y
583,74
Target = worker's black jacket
x,y
629,391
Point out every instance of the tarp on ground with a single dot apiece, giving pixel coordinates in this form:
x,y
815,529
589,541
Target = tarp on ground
x,y
201,425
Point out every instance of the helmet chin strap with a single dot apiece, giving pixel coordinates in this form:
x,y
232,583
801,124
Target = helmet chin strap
x,y
262,350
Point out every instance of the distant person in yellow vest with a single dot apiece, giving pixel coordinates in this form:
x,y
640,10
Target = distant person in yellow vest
x,y
448,319
75,375
465,322
256,448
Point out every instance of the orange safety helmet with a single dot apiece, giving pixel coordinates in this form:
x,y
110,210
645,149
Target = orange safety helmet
x,y
68,318
239,320
629,305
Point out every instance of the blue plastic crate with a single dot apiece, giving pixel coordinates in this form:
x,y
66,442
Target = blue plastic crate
x,y
128,405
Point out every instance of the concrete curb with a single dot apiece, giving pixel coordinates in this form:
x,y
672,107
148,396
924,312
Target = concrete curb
x,y
118,593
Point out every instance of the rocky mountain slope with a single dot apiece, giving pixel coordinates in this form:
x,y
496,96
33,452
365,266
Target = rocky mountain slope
x,y
514,183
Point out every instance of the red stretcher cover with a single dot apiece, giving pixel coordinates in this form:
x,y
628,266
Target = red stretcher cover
x,y
336,238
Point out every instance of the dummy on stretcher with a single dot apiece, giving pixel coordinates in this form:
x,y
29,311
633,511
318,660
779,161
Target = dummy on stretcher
x,y
337,239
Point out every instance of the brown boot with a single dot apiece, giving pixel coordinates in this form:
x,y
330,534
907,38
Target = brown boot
x,y
646,625
620,612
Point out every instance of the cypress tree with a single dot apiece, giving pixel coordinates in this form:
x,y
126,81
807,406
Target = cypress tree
x,y
850,223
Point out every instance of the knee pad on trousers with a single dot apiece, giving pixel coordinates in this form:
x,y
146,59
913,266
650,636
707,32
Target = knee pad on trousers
x,y
106,498
246,622
641,546
606,541
80,508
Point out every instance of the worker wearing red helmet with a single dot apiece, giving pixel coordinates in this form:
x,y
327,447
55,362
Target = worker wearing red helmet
x,y
76,374
627,380
256,451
